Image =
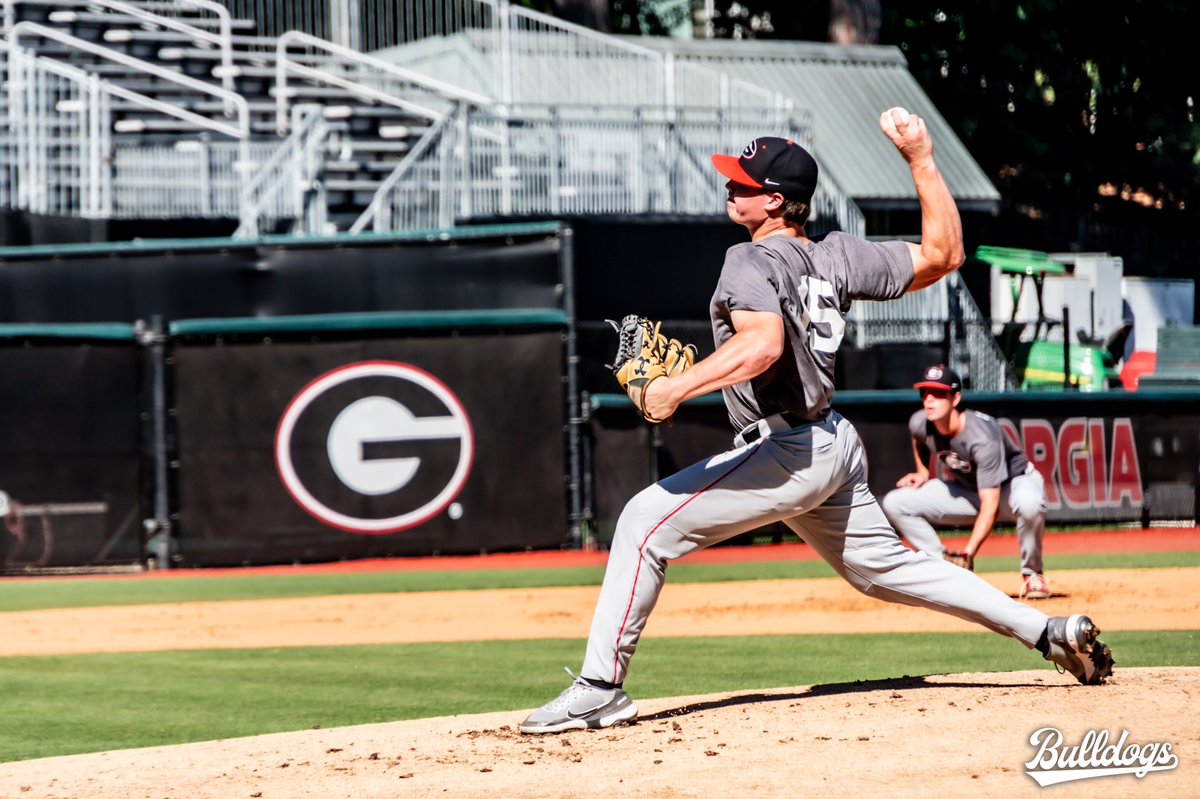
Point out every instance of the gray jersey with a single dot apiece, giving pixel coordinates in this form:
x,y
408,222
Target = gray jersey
x,y
980,456
811,286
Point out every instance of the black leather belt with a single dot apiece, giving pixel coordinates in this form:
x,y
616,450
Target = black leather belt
x,y
776,423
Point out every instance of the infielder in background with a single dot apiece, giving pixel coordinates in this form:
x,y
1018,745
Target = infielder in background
x,y
778,316
984,478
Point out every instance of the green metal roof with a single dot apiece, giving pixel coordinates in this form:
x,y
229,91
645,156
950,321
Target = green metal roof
x,y
845,88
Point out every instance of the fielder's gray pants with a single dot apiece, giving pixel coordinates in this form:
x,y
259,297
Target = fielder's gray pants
x,y
813,478
914,511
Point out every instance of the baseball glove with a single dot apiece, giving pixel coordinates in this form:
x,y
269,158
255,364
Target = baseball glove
x,y
643,355
960,559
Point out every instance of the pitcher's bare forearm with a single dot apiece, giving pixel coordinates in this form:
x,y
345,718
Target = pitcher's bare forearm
x,y
941,226
941,248
751,350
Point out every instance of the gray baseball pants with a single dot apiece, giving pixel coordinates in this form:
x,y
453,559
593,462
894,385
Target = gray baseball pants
x,y
914,511
814,479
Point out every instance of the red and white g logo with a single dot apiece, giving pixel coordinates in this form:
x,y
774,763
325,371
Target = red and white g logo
x,y
374,447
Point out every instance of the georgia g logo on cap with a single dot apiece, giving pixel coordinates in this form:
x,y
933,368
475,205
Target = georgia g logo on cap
x,y
933,373
750,150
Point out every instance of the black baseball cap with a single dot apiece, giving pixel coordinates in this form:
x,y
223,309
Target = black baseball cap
x,y
774,164
940,376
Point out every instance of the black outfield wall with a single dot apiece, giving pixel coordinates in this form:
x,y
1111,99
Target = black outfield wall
x,y
369,436
374,354
511,267
72,452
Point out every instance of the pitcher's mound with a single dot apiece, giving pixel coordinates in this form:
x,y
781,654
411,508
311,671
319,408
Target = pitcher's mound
x,y
946,735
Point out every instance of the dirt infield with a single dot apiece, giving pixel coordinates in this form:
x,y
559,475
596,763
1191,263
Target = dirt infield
x,y
1136,599
950,735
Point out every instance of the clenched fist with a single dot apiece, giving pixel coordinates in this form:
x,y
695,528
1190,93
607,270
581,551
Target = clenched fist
x,y
908,133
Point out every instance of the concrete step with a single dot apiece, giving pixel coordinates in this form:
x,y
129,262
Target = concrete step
x,y
358,166
116,20
242,43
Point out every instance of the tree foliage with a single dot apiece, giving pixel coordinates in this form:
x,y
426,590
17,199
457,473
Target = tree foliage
x,y
1075,113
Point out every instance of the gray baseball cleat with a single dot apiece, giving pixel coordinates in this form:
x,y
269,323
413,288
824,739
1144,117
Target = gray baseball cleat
x,y
582,706
1075,646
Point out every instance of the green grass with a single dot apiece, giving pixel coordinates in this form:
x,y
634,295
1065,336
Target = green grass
x,y
88,703
71,592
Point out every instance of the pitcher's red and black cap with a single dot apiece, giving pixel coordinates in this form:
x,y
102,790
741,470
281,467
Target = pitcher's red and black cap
x,y
772,164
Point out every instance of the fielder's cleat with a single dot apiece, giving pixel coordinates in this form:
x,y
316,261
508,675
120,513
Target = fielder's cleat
x,y
1035,587
582,706
1075,646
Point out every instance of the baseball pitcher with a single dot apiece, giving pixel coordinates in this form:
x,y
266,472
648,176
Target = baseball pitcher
x,y
778,316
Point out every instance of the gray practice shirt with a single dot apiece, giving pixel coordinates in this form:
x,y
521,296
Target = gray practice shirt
x,y
980,456
811,286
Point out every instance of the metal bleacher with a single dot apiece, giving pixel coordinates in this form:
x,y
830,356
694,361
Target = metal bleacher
x,y
119,109
177,108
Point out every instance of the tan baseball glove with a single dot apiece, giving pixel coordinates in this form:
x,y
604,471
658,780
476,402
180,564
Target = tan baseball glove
x,y
644,354
960,559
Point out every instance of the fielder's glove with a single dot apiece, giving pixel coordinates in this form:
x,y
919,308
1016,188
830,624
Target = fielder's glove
x,y
960,559
644,355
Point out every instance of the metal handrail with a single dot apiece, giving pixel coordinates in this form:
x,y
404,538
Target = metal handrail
x,y
283,65
82,76
252,208
587,34
665,60
989,368
528,163
223,39
96,179
96,90
371,214
239,102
